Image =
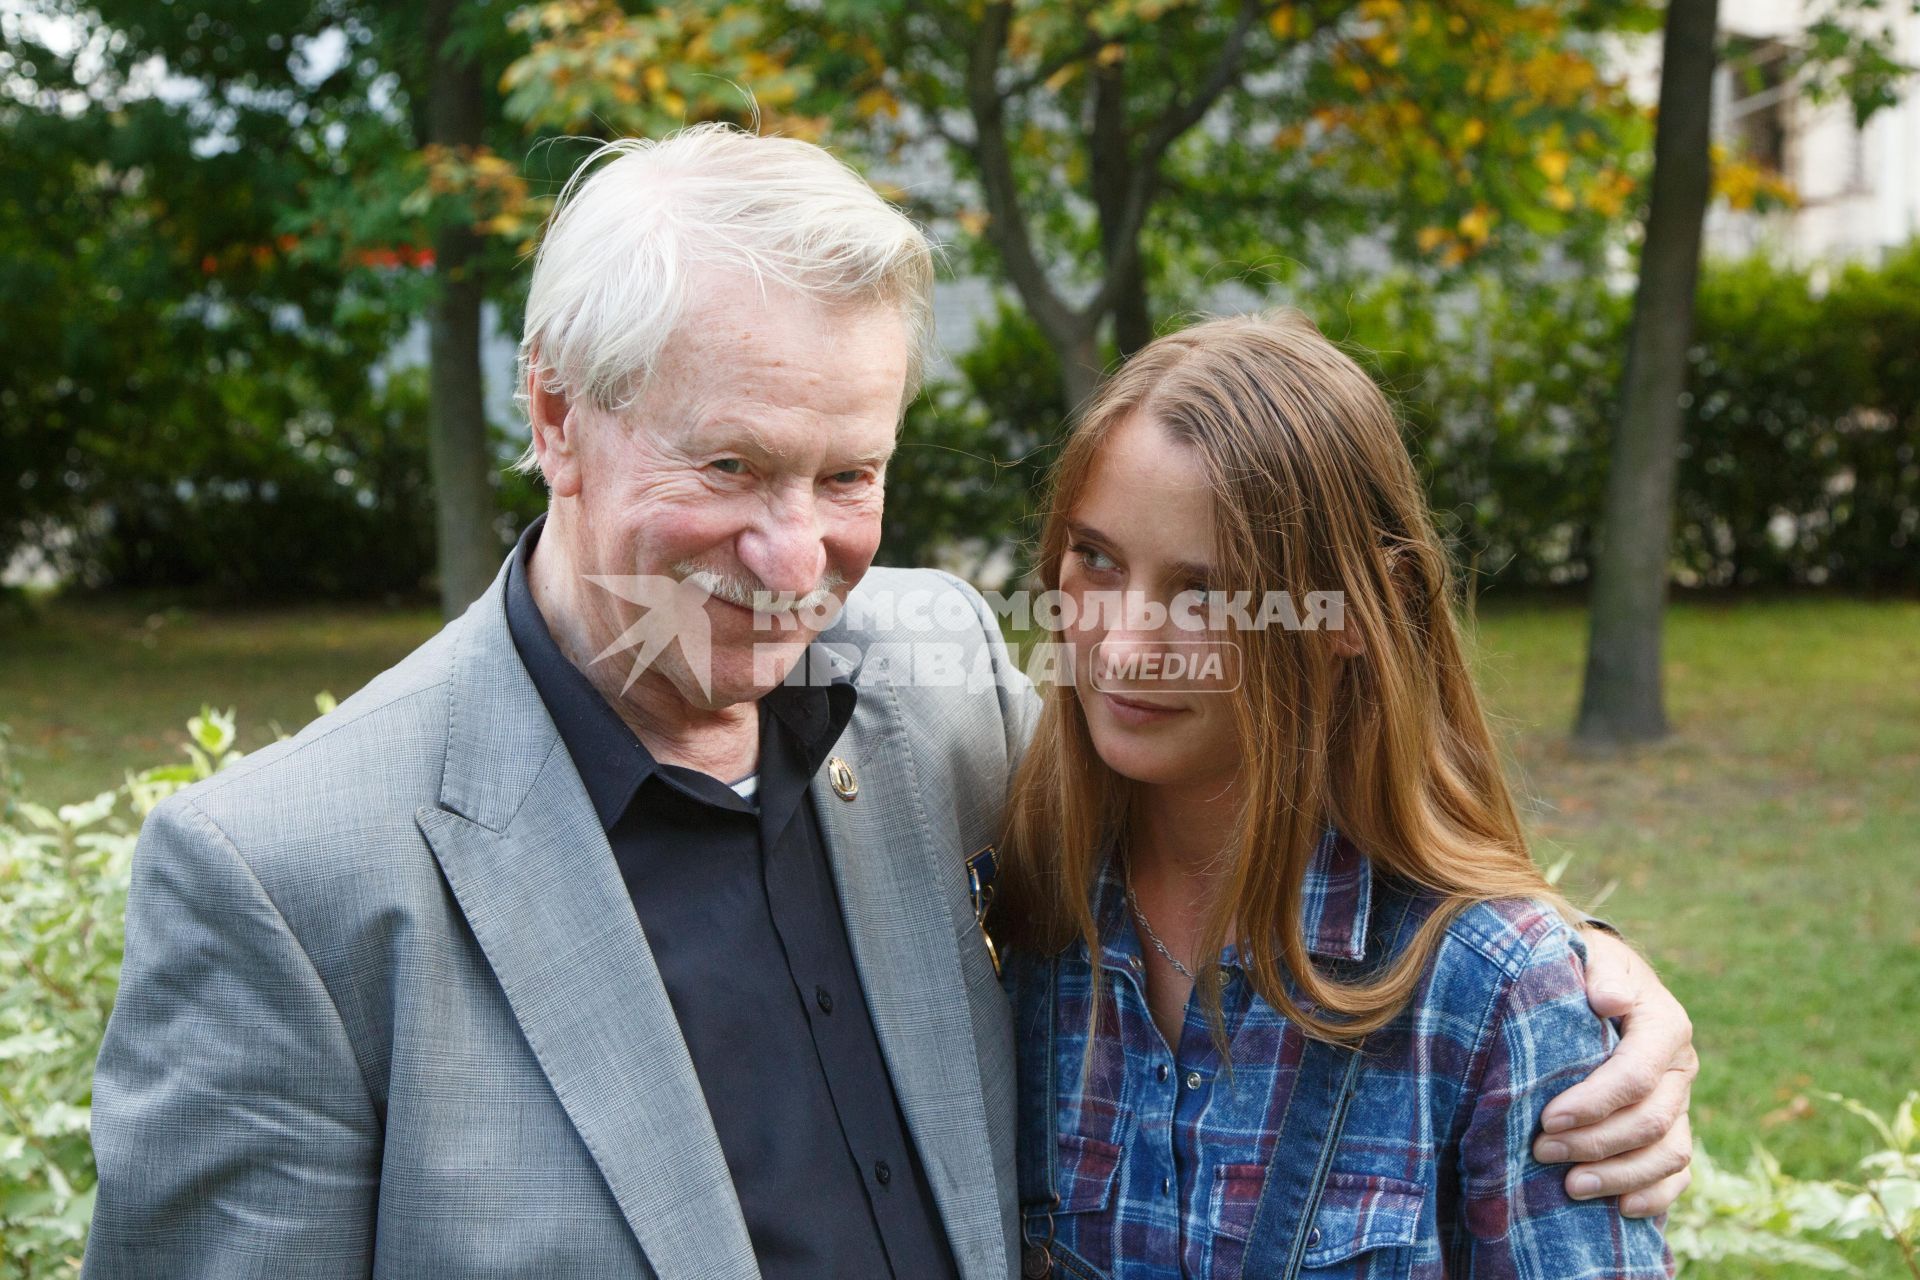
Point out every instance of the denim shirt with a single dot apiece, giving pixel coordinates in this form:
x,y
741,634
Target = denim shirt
x,y
1408,1158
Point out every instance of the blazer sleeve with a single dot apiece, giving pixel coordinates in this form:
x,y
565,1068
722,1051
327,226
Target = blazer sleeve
x,y
232,1127
1020,702
1540,1038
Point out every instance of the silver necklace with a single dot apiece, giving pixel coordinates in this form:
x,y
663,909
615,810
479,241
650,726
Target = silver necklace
x,y
1153,937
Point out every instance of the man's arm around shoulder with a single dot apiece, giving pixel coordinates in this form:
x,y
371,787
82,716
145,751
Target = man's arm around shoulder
x,y
232,1127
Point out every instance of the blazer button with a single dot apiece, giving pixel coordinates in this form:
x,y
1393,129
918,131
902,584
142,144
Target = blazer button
x,y
821,998
881,1173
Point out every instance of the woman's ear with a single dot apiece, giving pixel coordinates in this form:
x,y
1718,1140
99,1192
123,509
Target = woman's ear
x,y
556,436
1346,639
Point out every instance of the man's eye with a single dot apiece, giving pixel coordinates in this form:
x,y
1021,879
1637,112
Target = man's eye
x,y
847,477
729,466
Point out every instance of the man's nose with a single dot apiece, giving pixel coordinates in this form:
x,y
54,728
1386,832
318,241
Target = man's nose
x,y
784,548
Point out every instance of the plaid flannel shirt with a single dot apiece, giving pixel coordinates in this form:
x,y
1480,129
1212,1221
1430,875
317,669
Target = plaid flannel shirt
x,y
1163,1156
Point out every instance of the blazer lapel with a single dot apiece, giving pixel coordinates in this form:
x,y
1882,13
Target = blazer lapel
x,y
889,864
529,864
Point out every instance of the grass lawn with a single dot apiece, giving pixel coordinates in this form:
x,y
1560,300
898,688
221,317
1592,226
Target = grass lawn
x,y
94,687
1768,858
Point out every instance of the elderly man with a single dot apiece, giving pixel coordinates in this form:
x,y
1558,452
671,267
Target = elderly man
x,y
559,952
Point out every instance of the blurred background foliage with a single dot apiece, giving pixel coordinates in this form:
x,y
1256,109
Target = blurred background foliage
x,y
219,225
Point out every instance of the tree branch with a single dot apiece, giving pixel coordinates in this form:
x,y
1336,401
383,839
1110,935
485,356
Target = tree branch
x,y
1087,48
1144,180
1006,222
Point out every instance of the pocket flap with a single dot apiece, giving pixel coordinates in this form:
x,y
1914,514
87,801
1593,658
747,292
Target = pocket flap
x,y
1087,1170
1359,1212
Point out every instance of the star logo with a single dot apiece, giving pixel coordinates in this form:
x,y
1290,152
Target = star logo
x,y
674,611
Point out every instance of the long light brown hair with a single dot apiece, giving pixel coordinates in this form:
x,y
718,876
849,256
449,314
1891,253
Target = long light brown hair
x,y
1314,491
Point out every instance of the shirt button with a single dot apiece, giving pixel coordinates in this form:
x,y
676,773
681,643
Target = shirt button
x,y
821,998
1313,1237
1193,1079
881,1173
1160,1073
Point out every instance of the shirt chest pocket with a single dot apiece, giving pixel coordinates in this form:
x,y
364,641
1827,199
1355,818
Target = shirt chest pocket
x,y
1366,1227
1078,1235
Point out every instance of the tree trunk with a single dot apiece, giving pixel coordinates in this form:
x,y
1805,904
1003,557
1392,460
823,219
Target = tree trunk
x,y
1110,151
1623,701
458,451
1080,372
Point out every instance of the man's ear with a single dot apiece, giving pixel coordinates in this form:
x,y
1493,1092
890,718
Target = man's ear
x,y
556,435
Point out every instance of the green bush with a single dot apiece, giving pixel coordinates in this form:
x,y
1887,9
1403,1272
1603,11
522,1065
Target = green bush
x,y
1800,454
63,893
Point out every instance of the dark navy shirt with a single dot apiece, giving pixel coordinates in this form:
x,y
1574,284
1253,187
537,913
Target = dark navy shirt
x,y
738,904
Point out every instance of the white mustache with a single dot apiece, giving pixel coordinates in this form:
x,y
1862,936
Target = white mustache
x,y
748,592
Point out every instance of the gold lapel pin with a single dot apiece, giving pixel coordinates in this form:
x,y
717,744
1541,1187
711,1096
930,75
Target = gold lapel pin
x,y
840,775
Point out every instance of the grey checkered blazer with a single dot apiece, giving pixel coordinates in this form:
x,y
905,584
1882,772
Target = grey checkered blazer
x,y
387,1011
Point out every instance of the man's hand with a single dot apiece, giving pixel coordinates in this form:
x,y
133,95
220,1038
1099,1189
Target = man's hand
x,y
1625,1125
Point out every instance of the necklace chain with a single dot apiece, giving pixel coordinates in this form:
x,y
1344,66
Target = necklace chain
x,y
1153,937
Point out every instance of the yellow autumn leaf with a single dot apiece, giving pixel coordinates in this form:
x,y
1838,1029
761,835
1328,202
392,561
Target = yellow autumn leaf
x,y
876,102
1111,53
1429,238
1559,197
656,79
1476,225
1474,130
972,221
1553,164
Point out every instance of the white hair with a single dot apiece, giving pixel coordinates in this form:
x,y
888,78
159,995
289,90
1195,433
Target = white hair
x,y
623,250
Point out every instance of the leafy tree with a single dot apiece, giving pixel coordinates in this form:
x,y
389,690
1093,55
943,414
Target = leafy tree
x,y
174,358
325,165
1111,155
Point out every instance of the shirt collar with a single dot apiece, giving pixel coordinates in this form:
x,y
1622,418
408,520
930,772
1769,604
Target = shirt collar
x,y
611,761
1336,903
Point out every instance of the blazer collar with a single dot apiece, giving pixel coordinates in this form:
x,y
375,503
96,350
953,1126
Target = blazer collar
x,y
527,859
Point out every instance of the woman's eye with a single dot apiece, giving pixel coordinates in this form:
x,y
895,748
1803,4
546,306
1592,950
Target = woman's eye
x,y
1094,558
729,466
847,477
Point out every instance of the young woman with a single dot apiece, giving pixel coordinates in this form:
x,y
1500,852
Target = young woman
x,y
1289,992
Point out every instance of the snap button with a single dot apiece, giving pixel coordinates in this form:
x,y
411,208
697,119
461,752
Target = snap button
x,y
1313,1237
1035,1263
1160,1073
1193,1079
